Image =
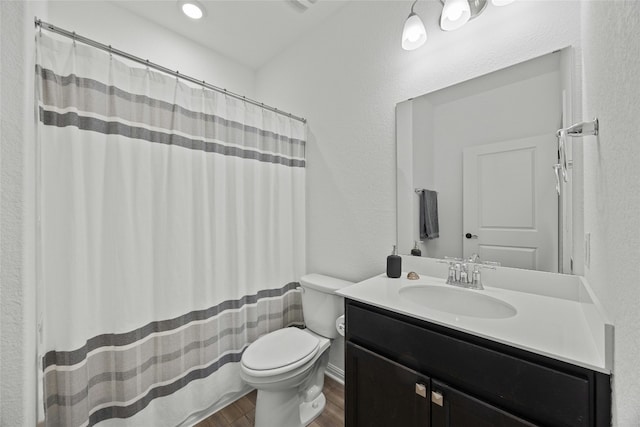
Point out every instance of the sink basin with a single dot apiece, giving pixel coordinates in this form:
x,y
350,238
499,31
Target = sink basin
x,y
464,302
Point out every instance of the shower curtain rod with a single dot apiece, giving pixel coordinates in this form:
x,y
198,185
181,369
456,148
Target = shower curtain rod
x,y
72,34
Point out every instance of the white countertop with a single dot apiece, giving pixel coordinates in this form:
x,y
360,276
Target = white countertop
x,y
560,327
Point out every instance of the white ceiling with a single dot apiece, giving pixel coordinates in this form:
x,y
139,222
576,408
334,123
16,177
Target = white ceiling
x,y
248,31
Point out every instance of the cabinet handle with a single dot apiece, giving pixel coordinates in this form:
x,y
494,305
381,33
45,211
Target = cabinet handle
x,y
437,398
421,390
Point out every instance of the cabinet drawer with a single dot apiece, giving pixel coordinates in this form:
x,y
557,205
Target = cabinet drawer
x,y
539,393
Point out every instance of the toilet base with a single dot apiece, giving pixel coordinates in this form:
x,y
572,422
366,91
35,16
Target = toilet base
x,y
278,409
295,406
309,411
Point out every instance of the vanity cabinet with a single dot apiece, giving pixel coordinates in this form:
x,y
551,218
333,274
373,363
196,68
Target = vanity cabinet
x,y
402,371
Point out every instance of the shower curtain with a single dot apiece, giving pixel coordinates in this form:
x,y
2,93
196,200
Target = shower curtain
x,y
171,235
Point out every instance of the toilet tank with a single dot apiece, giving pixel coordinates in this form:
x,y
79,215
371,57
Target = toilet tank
x,y
320,304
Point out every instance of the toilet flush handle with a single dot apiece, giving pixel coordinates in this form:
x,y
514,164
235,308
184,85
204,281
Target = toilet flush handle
x,y
340,325
301,289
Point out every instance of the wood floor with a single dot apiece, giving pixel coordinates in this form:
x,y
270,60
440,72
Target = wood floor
x,y
241,413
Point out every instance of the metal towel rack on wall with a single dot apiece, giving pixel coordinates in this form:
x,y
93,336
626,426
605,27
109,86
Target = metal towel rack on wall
x,y
581,129
590,128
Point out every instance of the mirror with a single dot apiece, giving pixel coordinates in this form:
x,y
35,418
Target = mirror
x,y
488,149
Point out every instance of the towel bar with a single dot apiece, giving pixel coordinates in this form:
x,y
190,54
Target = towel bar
x,y
581,129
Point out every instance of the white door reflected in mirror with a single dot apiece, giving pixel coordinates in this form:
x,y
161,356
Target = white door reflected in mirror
x,y
509,204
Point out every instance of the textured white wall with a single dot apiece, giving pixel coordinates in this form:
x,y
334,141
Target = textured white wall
x,y
346,78
611,40
17,272
2,125
112,25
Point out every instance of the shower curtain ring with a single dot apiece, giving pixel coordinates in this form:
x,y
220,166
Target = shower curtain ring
x,y
74,39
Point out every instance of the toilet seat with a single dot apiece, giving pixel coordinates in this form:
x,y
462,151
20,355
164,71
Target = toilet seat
x,y
279,352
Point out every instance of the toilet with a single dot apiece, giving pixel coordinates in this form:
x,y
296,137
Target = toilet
x,y
287,366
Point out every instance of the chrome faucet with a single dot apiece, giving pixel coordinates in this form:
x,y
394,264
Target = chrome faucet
x,y
465,273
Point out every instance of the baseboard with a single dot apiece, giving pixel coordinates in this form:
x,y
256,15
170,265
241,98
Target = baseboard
x,y
206,413
335,373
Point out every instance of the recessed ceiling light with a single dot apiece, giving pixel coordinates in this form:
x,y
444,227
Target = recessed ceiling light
x,y
192,8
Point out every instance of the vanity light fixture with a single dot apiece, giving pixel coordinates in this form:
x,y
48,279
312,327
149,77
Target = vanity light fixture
x,y
455,13
413,34
192,8
501,2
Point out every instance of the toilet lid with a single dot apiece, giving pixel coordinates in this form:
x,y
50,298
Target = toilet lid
x,y
280,348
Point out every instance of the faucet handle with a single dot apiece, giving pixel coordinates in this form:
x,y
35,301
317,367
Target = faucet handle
x,y
451,274
476,279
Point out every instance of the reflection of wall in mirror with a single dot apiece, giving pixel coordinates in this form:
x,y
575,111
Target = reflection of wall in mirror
x,y
518,102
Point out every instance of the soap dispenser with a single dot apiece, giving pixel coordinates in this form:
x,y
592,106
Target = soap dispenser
x,y
416,250
394,264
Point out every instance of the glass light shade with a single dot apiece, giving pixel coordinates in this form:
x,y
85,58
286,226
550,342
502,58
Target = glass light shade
x,y
455,14
192,10
413,35
501,2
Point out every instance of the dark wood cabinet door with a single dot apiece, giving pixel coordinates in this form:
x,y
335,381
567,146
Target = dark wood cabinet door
x,y
452,408
382,393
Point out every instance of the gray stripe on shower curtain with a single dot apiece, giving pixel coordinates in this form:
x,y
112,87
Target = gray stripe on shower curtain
x,y
52,118
84,95
161,357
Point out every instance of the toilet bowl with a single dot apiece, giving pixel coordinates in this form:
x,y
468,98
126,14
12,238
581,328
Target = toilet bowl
x,y
287,366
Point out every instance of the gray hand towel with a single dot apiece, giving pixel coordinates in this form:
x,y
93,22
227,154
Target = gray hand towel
x,y
429,228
